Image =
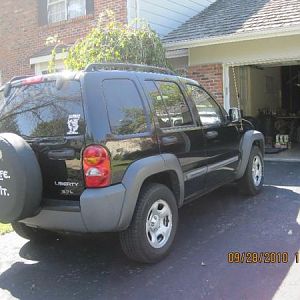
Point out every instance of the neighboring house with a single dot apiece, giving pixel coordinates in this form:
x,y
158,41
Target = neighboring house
x,y
261,38
25,26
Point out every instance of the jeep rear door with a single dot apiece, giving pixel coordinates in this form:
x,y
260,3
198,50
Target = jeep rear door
x,y
51,120
177,131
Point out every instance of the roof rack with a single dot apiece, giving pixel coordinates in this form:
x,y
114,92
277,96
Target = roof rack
x,y
15,78
129,67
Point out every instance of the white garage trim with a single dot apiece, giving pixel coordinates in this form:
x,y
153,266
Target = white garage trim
x,y
236,37
263,61
226,85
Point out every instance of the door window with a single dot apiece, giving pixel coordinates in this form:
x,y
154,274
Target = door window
x,y
208,110
170,105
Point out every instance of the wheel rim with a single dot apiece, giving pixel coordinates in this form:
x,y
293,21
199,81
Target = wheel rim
x,y
257,170
159,224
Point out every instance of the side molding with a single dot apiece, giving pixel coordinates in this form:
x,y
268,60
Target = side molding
x,y
135,176
245,148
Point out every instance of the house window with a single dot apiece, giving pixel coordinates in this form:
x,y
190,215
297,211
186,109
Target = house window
x,y
60,10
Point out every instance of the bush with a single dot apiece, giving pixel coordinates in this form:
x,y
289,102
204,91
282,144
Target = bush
x,y
113,41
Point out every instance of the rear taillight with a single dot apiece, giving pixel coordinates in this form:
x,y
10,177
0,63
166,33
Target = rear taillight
x,y
96,167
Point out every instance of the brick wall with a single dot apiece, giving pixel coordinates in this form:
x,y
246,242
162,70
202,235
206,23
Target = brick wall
x,y
21,36
210,77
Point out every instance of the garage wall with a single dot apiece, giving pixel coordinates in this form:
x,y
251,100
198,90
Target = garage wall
x,y
258,88
242,75
265,89
210,77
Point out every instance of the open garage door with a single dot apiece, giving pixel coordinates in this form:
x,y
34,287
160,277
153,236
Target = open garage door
x,y
270,99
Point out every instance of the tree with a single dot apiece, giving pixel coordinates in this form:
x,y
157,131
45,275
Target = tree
x,y
113,41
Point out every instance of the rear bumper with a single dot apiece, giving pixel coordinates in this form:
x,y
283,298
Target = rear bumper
x,y
100,211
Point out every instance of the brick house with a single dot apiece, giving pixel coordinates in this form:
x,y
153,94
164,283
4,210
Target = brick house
x,y
25,26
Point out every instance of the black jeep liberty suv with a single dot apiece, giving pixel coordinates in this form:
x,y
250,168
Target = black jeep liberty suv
x,y
117,147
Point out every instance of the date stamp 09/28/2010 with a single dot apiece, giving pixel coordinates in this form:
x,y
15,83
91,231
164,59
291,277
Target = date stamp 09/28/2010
x,y
262,257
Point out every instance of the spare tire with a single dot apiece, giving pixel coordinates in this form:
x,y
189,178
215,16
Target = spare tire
x,y
20,179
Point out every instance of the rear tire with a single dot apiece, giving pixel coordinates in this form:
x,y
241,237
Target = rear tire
x,y
150,236
253,179
29,233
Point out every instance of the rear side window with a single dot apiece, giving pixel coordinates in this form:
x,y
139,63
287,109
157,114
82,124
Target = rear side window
x,y
41,110
172,100
125,109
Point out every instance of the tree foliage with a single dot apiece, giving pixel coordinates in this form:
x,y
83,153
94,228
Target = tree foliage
x,y
113,41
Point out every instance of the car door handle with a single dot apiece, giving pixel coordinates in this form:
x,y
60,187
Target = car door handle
x,y
211,134
62,154
169,140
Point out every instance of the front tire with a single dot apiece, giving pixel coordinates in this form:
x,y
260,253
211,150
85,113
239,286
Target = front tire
x,y
253,179
151,233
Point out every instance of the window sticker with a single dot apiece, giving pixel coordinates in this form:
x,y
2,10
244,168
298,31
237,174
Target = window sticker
x,y
73,124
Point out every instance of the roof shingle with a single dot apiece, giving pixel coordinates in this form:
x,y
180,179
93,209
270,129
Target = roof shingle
x,y
230,17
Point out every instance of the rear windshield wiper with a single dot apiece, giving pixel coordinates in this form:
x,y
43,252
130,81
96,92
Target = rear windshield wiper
x,y
44,140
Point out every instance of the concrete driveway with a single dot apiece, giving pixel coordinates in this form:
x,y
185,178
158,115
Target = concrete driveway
x,y
94,267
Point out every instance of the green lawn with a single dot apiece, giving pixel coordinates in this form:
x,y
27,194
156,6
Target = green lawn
x,y
5,228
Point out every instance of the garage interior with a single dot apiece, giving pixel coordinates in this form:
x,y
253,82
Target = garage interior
x,y
270,100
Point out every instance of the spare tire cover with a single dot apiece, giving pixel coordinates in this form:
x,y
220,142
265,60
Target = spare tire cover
x,y
20,179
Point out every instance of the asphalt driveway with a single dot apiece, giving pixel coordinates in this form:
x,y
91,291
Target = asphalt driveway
x,y
94,267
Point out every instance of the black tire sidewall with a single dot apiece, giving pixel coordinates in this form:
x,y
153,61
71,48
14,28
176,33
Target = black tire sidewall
x,y
255,188
163,193
153,193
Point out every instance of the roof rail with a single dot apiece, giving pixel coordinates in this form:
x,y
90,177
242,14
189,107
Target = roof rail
x,y
15,78
129,67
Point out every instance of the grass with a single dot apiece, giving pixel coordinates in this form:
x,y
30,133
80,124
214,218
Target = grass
x,y
5,228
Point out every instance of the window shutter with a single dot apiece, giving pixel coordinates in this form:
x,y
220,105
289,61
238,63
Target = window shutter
x,y
89,7
42,12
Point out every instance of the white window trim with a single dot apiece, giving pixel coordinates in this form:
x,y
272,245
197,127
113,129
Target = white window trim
x,y
38,61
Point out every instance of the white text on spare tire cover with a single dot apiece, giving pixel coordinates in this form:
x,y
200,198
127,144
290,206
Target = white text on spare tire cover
x,y
3,175
20,179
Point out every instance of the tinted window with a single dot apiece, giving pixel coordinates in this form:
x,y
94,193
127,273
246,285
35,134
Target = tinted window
x,y
124,105
174,102
40,110
208,109
158,105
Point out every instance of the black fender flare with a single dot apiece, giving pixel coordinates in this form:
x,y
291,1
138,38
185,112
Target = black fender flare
x,y
248,139
136,175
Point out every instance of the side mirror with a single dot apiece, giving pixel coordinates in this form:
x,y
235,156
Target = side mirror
x,y
235,115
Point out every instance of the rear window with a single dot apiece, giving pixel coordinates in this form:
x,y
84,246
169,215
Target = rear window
x,y
41,110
